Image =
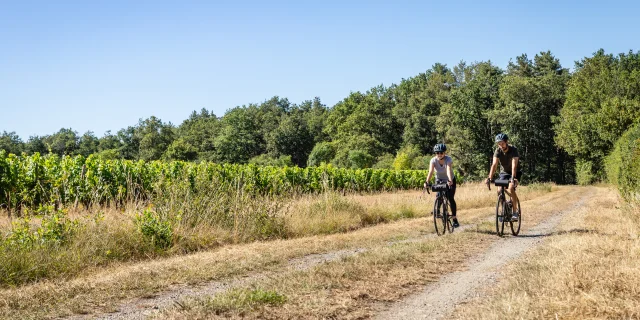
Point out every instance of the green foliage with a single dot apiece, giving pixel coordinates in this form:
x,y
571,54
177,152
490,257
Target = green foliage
x,y
157,229
11,143
384,161
404,158
602,102
322,152
266,160
292,138
623,164
419,100
584,172
55,229
244,300
420,163
360,159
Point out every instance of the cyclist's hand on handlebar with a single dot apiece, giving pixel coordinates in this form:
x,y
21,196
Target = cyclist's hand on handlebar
x,y
450,183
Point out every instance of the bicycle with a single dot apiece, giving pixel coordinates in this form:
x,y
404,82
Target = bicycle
x,y
504,209
441,209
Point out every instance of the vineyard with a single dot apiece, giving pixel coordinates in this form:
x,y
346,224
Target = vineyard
x,y
33,181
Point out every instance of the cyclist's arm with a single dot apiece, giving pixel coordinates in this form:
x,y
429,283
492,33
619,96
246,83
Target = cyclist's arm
x,y
494,165
431,168
514,168
450,171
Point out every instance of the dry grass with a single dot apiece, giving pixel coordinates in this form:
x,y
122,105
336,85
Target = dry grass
x,y
587,269
100,289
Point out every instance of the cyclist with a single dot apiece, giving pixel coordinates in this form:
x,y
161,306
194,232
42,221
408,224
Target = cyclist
x,y
442,164
508,157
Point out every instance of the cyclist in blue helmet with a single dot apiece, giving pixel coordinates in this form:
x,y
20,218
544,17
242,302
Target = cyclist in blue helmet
x,y
508,157
442,164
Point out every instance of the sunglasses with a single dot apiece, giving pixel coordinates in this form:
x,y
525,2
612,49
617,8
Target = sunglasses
x,y
439,152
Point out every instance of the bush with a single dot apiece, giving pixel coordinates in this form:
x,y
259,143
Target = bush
x,y
421,163
623,164
584,172
359,159
384,161
266,160
322,152
155,228
404,158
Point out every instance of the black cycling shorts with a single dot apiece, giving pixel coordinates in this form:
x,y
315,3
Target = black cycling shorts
x,y
506,176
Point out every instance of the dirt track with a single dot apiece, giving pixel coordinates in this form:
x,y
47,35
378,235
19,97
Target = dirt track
x,y
439,299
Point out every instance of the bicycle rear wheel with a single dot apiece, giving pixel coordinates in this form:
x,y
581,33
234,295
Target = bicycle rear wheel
x,y
500,212
515,226
438,217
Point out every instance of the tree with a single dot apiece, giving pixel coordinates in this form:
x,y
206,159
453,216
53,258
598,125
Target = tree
x,y
315,114
195,138
419,100
36,144
464,122
292,138
602,102
154,138
11,143
240,137
63,142
87,144
322,152
364,122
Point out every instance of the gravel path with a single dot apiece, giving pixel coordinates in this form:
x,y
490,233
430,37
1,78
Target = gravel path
x,y
438,300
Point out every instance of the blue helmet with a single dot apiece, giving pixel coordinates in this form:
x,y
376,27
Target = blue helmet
x,y
502,137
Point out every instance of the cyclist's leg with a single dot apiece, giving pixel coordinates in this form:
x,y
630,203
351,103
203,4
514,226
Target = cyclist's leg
x,y
514,196
451,193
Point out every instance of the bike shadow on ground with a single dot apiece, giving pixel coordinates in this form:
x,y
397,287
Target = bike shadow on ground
x,y
507,231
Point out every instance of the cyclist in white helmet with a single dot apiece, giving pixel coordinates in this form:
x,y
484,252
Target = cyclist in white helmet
x,y
442,164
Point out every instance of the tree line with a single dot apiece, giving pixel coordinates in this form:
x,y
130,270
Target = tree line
x,y
564,123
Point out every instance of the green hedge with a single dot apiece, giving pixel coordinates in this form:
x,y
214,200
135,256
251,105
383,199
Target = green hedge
x,y
623,164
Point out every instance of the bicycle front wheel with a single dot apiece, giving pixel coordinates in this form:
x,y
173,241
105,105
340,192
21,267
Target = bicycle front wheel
x,y
500,213
438,217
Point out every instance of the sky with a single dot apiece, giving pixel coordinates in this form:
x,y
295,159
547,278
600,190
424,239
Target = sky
x,y
103,65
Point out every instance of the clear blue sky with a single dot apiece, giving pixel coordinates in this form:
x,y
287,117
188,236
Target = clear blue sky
x,y
102,65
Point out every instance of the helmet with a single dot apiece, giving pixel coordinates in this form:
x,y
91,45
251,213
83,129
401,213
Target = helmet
x,y
440,147
501,137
